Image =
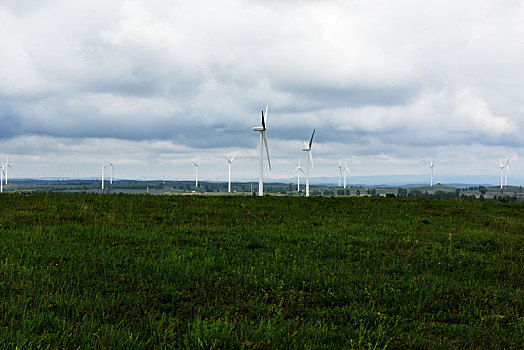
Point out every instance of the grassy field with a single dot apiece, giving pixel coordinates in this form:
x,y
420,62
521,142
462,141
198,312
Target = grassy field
x,y
140,271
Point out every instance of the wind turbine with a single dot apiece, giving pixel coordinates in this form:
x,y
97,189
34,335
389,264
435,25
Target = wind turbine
x,y
263,141
2,172
229,161
506,166
196,164
309,158
339,171
6,165
298,170
112,171
501,172
346,171
431,165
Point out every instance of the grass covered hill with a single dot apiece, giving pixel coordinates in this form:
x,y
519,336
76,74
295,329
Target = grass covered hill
x,y
139,271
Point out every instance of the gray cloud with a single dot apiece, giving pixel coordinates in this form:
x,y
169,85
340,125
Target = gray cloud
x,y
387,80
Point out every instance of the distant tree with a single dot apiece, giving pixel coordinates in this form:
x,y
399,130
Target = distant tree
x,y
358,192
482,190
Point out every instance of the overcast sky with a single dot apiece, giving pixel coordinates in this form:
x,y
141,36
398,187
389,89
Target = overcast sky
x,y
151,85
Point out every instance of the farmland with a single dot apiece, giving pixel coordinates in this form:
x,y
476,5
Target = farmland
x,y
142,271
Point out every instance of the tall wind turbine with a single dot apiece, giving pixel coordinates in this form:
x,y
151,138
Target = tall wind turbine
x,y
7,165
309,158
298,170
431,165
346,171
339,171
506,166
263,142
229,161
196,164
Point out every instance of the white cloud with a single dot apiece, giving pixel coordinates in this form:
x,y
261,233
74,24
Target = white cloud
x,y
382,81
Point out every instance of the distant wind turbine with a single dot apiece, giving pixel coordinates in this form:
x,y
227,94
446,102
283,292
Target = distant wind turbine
x,y
196,164
229,162
506,166
263,142
339,171
309,158
2,172
431,165
501,173
299,170
6,165
346,171
112,171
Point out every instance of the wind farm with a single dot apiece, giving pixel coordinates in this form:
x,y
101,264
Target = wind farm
x,y
261,175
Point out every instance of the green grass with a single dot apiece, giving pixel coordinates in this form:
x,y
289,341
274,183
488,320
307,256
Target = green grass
x,y
124,271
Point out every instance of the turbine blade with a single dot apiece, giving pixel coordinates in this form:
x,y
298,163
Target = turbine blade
x,y
311,141
305,144
507,168
263,122
311,158
267,150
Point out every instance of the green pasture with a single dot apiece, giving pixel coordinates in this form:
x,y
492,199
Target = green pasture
x,y
141,271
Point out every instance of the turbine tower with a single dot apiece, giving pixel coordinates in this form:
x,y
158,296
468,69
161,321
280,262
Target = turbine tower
x,y
339,171
2,172
106,163
6,165
298,170
501,173
431,165
346,171
309,158
263,142
506,166
196,164
229,161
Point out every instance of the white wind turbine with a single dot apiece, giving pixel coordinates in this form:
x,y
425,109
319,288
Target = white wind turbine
x,y
196,164
309,158
346,171
501,172
431,165
6,165
2,172
229,161
298,170
339,171
263,142
112,171
506,166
